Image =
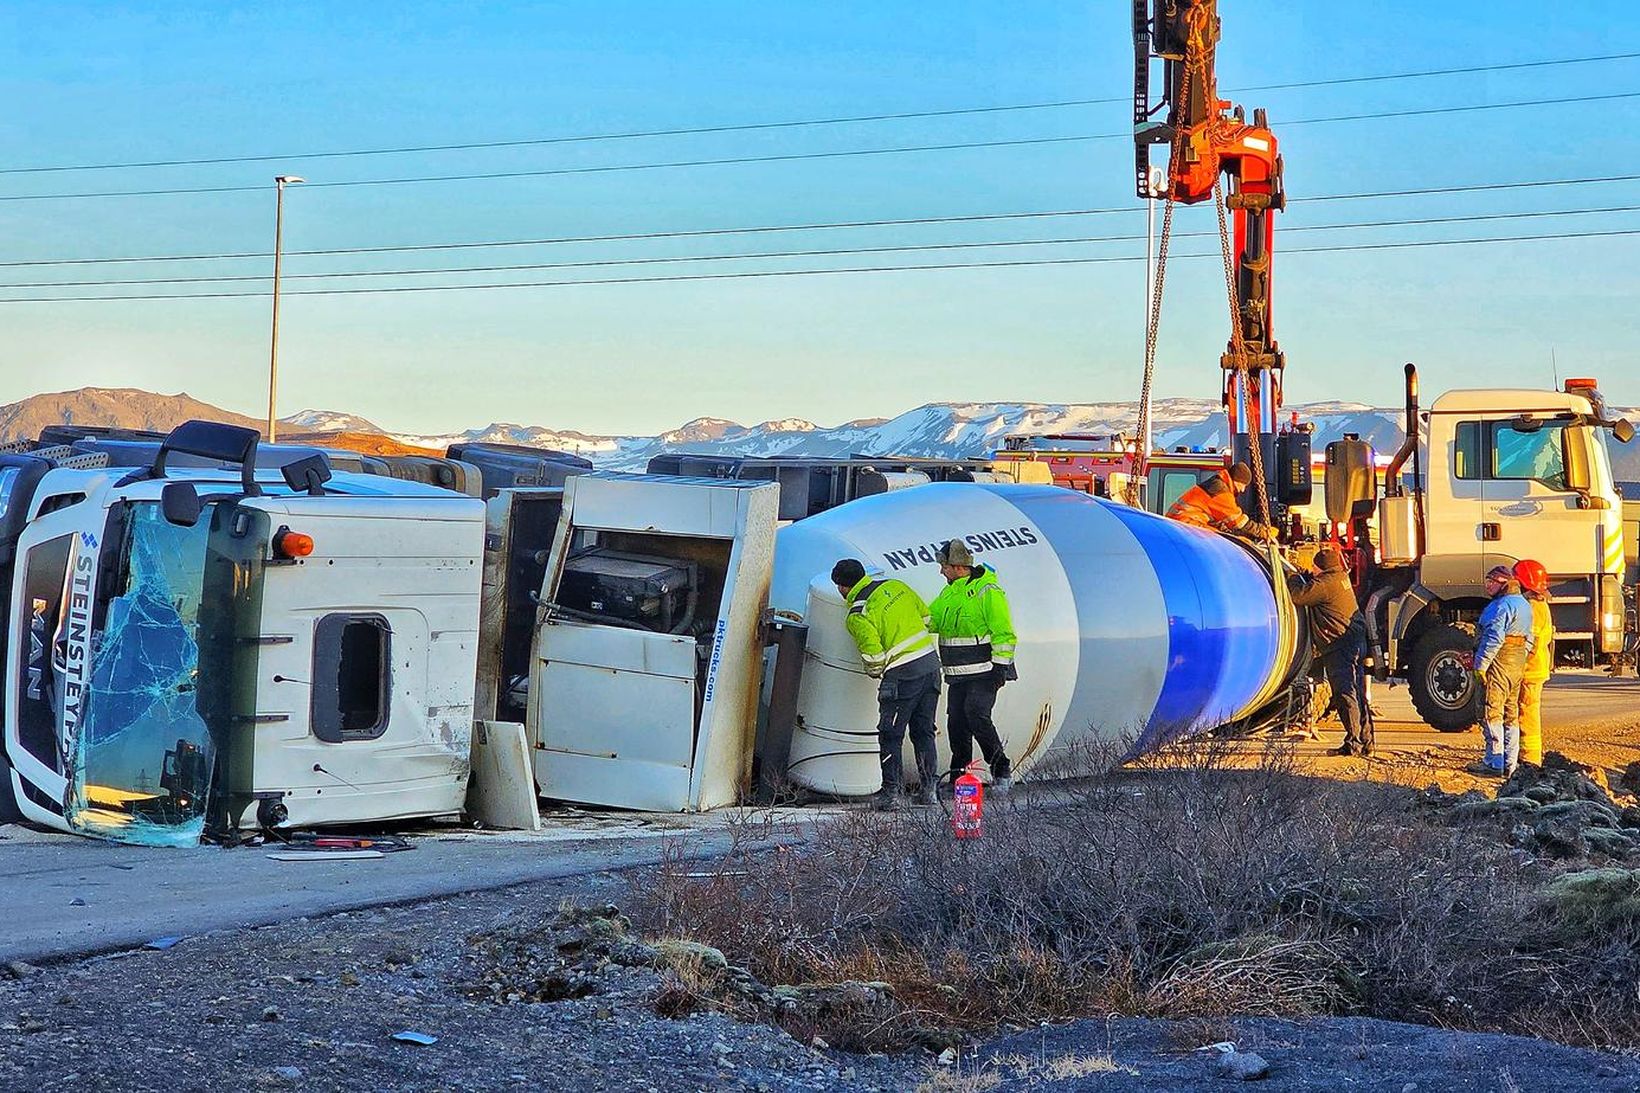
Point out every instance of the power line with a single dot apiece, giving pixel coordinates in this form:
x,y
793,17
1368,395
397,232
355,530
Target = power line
x,y
1471,188
1127,210
750,274
490,176
810,253
790,157
703,130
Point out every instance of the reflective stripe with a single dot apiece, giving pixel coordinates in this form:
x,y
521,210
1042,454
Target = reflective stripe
x,y
952,642
924,638
967,669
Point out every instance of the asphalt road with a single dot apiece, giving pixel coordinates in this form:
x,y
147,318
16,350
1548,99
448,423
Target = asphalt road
x,y
61,895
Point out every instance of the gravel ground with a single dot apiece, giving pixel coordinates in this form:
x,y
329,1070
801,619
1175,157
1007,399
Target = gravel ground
x,y
313,1005
1315,1054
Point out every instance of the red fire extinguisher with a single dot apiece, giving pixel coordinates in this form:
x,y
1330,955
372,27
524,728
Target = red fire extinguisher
x,y
968,805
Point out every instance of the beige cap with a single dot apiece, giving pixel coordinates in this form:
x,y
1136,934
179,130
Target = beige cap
x,y
955,552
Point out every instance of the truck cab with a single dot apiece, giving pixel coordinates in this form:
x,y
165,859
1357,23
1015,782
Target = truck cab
x,y
1502,475
196,651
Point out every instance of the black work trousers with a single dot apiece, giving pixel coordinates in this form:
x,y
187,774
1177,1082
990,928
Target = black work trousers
x,y
968,718
902,704
1342,665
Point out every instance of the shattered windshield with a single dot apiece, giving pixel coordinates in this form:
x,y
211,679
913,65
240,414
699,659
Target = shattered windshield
x,y
141,753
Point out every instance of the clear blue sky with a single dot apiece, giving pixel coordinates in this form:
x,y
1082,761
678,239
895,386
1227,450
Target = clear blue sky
x,y
106,82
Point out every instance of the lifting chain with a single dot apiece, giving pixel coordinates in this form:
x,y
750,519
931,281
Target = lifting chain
x,y
1153,321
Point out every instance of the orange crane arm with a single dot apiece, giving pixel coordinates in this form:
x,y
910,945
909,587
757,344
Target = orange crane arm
x,y
1209,137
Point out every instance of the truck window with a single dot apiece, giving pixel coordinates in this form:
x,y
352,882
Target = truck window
x,y
1466,451
1174,484
1539,454
143,754
352,677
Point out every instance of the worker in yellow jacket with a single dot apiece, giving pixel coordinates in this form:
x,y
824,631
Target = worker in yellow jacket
x,y
889,624
1540,662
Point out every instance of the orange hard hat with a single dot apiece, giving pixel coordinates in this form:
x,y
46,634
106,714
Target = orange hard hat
x,y
1532,576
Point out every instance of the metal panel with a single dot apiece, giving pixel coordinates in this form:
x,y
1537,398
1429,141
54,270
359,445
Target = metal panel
x,y
617,649
619,736
723,752
701,508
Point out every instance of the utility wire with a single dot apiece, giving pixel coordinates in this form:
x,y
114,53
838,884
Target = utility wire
x,y
811,253
794,156
393,289
1129,210
702,130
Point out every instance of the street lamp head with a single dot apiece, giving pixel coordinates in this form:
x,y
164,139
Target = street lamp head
x,y
288,180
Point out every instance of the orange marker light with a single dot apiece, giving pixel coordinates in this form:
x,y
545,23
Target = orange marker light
x,y
292,544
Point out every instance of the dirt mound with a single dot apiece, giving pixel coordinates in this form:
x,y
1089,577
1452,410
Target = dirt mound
x,y
365,443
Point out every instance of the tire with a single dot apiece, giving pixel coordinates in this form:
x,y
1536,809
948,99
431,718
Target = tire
x,y
1441,679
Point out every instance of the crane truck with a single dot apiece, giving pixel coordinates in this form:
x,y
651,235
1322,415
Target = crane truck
x,y
1496,476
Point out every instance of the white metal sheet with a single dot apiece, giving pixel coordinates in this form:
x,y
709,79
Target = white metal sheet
x,y
501,792
617,715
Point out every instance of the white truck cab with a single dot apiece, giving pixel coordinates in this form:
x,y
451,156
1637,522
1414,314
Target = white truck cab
x,y
1501,476
204,650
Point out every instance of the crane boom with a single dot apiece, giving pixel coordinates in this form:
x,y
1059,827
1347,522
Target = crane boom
x,y
1209,137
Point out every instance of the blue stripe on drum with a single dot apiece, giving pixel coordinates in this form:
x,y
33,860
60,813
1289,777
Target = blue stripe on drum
x,y
1223,634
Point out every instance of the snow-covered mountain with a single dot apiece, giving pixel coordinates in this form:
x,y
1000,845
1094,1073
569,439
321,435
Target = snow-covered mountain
x,y
327,421
938,430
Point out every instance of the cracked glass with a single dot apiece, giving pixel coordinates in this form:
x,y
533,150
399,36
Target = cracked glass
x,y
141,754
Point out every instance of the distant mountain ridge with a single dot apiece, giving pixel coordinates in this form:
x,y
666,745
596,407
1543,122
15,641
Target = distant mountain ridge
x,y
937,430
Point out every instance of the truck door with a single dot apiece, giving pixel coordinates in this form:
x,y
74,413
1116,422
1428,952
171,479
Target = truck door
x,y
643,689
1452,562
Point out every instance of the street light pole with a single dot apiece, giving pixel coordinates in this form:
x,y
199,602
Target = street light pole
x,y
280,182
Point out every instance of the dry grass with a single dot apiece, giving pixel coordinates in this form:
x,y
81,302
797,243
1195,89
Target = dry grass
x,y
1193,888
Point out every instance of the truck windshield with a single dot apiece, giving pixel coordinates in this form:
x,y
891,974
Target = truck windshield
x,y
141,753
1538,453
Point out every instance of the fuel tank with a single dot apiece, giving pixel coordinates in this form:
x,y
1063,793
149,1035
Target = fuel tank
x,y
1132,629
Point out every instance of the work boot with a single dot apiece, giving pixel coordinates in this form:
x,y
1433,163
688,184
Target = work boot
x,y
886,800
1342,749
925,794
1002,785
1482,769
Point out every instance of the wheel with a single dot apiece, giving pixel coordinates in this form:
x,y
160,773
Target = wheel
x,y
1442,680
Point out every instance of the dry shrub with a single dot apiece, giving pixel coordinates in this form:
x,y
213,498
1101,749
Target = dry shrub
x,y
1188,885
1255,976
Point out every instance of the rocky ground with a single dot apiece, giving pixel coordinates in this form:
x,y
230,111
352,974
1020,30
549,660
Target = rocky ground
x,y
522,991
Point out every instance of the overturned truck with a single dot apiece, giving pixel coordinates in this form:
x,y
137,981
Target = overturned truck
x,y
195,646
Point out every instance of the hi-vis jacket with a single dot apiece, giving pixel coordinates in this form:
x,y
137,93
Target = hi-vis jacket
x,y
970,615
889,623
1212,504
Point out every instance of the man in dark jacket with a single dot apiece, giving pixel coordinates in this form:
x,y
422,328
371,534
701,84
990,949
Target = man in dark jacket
x,y
1338,635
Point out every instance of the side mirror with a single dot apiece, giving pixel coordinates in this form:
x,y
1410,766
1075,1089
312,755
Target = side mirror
x,y
1623,430
180,504
308,474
